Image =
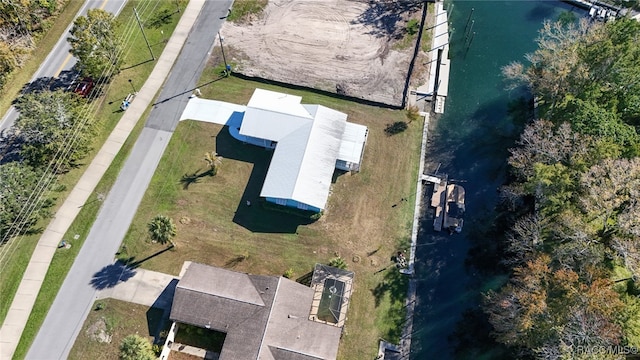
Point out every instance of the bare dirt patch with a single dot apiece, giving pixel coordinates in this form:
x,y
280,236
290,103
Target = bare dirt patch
x,y
341,46
98,331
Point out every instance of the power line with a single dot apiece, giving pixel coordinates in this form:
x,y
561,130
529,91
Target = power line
x,y
50,174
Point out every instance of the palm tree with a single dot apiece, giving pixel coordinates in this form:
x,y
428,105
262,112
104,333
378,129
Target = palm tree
x,y
162,229
213,161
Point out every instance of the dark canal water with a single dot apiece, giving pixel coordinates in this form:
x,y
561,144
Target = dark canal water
x,y
470,142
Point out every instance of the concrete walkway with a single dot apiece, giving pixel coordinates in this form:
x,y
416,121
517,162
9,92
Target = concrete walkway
x,y
34,275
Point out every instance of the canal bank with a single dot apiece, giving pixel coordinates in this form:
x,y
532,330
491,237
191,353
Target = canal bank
x,y
470,143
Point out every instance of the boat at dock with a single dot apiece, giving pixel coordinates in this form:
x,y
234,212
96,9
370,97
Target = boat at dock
x,y
448,200
454,208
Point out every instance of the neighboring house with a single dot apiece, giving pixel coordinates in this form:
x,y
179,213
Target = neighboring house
x,y
265,317
309,142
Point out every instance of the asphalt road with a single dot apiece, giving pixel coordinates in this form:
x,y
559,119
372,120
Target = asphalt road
x,y
60,61
93,268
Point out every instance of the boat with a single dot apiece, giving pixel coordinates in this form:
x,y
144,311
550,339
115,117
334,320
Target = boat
x,y
454,208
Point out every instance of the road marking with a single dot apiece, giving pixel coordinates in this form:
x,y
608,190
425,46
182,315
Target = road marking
x,y
64,63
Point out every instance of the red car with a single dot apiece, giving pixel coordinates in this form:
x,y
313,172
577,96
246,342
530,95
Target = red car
x,y
84,87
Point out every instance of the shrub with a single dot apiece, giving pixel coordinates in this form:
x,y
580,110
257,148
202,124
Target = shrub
x,y
395,128
288,274
135,347
338,262
413,26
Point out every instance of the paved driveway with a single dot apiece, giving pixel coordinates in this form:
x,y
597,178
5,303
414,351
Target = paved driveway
x,y
146,287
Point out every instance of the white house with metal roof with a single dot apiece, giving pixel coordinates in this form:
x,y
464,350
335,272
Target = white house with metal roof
x,y
309,142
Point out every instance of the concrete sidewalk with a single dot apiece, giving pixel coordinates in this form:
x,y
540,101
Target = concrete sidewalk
x,y
34,275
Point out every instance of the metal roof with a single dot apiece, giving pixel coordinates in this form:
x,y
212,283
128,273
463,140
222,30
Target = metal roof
x,y
308,139
352,143
273,116
304,161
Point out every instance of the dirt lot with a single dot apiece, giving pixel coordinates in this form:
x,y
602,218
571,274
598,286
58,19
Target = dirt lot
x,y
350,47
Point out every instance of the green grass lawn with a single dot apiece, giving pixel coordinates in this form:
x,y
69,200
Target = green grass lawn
x,y
106,111
118,319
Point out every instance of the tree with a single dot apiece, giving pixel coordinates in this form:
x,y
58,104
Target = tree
x,y
213,161
18,184
524,240
162,229
53,126
95,43
547,312
578,178
610,188
542,142
594,63
135,347
8,62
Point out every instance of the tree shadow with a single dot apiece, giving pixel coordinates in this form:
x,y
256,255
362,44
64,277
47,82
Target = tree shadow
x,y
188,179
383,17
110,275
472,338
394,284
253,215
10,145
49,83
542,10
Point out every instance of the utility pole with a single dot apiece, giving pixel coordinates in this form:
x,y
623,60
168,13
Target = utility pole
x,y
143,34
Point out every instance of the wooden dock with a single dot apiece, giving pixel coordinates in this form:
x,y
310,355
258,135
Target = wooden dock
x,y
438,199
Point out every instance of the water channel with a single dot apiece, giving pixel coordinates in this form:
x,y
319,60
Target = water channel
x,y
470,143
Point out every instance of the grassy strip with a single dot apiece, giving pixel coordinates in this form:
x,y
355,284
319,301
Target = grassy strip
x,y
244,8
22,76
109,114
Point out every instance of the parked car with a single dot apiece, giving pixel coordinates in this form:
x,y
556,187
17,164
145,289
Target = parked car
x,y
84,87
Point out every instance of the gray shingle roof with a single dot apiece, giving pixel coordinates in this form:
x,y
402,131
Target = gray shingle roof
x,y
264,317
